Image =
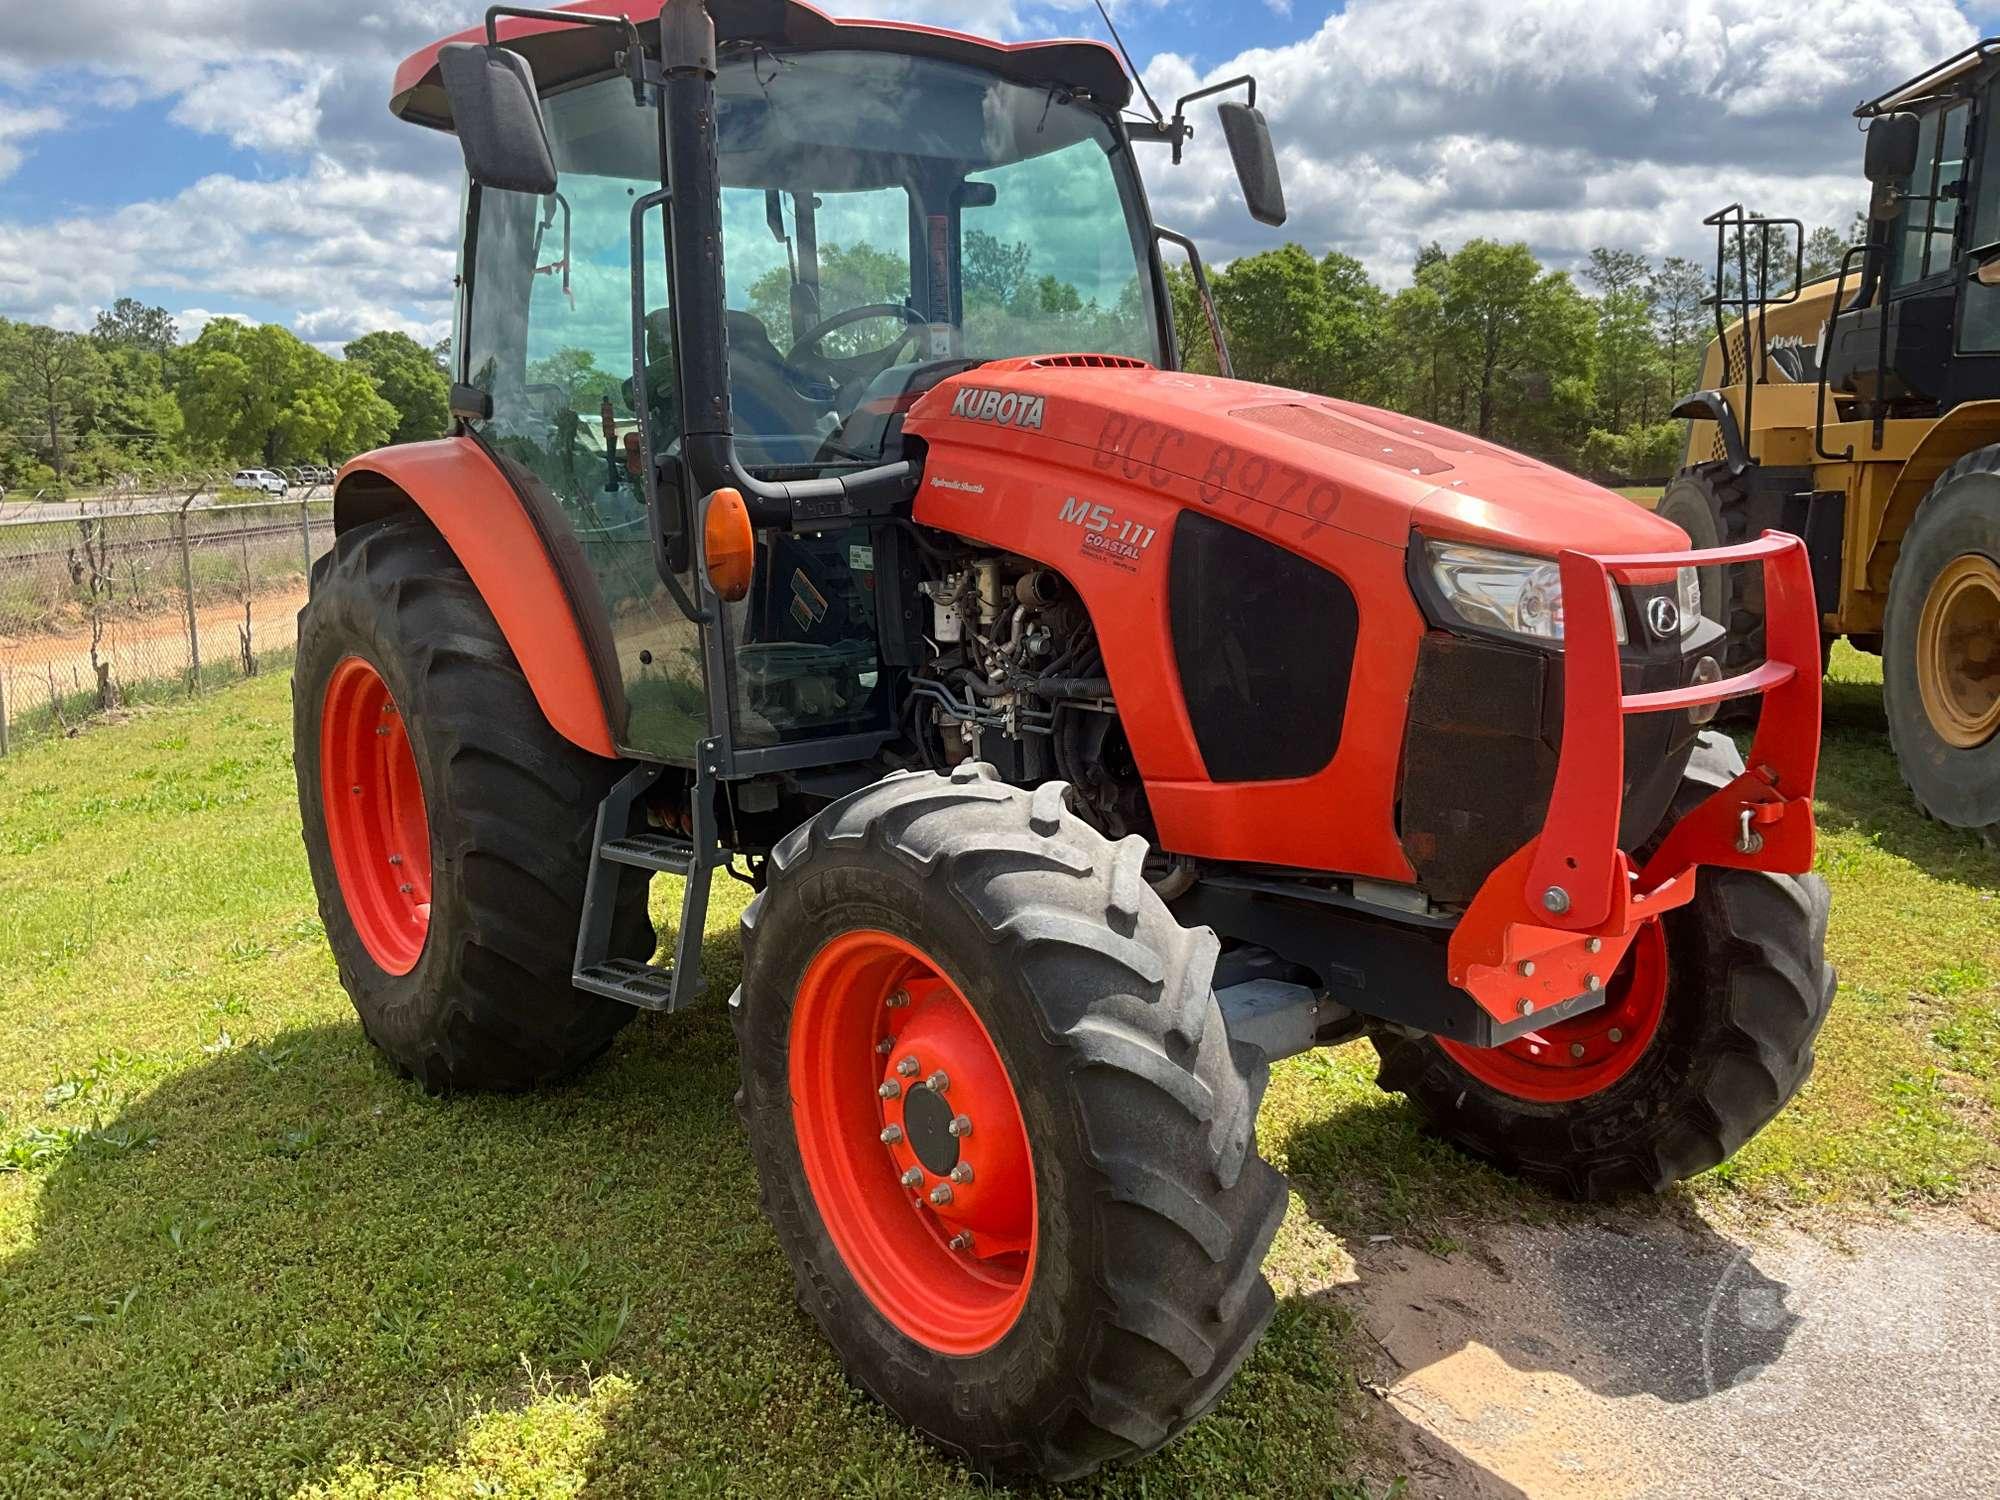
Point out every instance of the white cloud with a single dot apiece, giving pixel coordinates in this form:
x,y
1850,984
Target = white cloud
x,y
1566,123
191,320
257,106
17,125
327,236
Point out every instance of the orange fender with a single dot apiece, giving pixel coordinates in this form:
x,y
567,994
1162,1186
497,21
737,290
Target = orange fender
x,y
464,495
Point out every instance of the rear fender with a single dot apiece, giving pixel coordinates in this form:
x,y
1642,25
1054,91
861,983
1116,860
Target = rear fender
x,y
1960,430
516,564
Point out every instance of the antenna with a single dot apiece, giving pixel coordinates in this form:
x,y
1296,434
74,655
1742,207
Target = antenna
x,y
1159,116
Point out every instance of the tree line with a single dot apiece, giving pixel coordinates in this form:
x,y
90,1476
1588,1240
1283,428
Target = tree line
x,y
128,397
1484,338
1487,340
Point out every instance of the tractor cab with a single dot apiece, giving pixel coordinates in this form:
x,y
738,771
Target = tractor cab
x,y
862,212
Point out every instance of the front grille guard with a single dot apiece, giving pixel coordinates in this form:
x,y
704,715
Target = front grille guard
x,y
1551,924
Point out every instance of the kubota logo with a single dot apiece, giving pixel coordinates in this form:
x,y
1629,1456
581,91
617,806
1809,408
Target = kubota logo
x,y
1004,408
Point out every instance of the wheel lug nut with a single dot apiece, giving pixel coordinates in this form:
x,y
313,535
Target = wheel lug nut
x,y
941,1194
898,1000
962,1242
914,1177
909,1067
1616,1035
886,1045
406,888
890,1090
962,1173
1576,1049
961,1125
395,859
937,1083
893,1136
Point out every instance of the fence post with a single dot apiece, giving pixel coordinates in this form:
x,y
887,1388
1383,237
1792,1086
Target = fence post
x,y
187,593
3,712
306,539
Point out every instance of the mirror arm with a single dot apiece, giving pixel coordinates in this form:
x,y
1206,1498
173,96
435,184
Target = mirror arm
x,y
1182,132
632,59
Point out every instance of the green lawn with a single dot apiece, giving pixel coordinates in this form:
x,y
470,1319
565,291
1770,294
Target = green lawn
x,y
238,1255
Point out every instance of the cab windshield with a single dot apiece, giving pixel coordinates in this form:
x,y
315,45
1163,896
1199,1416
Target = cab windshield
x,y
885,218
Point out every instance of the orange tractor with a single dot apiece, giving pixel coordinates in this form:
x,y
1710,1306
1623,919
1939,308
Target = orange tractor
x,y
826,503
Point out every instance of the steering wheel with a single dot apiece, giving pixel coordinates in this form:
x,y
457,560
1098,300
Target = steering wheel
x,y
865,367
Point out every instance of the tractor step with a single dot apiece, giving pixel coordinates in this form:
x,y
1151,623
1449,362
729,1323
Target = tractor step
x,y
618,850
631,982
652,851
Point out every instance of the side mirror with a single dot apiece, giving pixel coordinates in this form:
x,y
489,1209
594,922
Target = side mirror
x,y
498,117
1249,137
1891,154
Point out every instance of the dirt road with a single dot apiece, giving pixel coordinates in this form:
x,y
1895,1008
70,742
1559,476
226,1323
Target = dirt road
x,y
1628,1360
145,647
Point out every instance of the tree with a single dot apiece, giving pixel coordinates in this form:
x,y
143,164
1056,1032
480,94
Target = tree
x,y
1683,323
130,324
408,377
260,395
1529,331
55,380
1312,325
1826,247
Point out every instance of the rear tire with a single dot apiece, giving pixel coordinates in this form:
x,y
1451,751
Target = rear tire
x,y
1143,1290
484,999
1941,648
1747,989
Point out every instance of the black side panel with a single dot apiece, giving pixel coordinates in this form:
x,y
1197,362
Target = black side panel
x,y
1264,641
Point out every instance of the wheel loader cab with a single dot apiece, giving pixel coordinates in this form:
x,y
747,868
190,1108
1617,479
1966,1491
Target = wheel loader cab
x,y
886,220
1910,343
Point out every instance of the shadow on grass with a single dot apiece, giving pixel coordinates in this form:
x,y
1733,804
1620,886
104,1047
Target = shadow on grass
x,y
1861,790
284,1266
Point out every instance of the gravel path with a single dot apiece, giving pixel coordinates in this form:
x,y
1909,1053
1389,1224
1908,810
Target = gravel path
x,y
1668,1359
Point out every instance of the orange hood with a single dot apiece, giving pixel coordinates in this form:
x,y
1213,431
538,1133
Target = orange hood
x,y
1352,467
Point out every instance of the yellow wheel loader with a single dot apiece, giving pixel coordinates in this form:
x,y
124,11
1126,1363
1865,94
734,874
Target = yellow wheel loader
x,y
1862,413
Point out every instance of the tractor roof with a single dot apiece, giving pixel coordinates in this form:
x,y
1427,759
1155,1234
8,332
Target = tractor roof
x,y
566,54
1932,79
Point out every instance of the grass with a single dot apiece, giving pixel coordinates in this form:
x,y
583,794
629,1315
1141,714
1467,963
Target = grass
x,y
239,1256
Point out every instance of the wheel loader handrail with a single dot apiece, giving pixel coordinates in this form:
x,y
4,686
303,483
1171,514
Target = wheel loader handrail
x,y
1826,357
1578,870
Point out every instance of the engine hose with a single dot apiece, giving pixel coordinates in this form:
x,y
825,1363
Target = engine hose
x,y
1070,687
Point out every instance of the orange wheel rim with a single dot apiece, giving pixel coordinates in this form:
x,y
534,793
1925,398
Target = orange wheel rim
x,y
913,1142
1586,1054
1958,652
376,825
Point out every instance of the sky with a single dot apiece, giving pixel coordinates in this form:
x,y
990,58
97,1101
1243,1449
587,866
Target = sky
x,y
237,157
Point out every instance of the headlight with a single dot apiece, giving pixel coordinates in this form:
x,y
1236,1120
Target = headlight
x,y
1511,591
1689,581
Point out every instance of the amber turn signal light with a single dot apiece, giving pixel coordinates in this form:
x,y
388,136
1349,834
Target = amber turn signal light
x,y
728,545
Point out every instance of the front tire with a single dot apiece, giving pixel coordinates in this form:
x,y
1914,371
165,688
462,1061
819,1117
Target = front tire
x,y
1941,648
1094,1285
1657,1085
448,827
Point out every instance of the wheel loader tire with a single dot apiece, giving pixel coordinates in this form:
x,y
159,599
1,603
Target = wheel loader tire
x,y
1713,507
448,827
1941,648
1745,987
1092,1283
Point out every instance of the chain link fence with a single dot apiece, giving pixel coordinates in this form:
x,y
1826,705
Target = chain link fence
x,y
106,606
